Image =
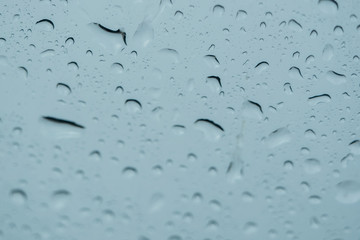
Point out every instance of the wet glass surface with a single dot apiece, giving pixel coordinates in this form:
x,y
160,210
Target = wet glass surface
x,y
179,120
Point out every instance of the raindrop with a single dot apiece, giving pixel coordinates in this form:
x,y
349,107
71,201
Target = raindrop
x,y
73,66
18,196
95,155
129,172
250,228
178,129
288,89
45,24
108,215
179,15
69,41
62,121
328,52
294,25
117,67
355,147
348,192
323,98
261,66
218,10
211,130
294,72
212,61
60,198
335,78
214,83
252,110
171,54
278,137
133,105
143,35
241,14
288,165
23,72
63,89
338,30
328,6
312,166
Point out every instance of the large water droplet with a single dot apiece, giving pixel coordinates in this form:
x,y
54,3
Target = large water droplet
x,y
45,24
328,6
144,34
348,192
211,130
335,78
278,137
355,147
252,110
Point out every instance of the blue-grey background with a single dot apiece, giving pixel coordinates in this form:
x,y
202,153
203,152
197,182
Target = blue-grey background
x,y
216,120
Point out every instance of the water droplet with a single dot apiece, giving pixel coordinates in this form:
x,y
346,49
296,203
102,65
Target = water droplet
x,y
241,14
143,35
133,105
212,61
312,166
250,228
252,110
278,137
214,83
338,30
129,172
294,72
156,202
60,198
211,130
218,10
314,199
355,147
261,66
323,98
348,192
294,25
288,165
328,52
117,68
108,215
69,41
171,55
335,78
18,196
288,89
63,89
95,155
328,6
45,24
23,72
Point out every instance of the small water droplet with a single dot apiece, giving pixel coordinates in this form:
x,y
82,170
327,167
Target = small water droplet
x,y
60,198
312,166
18,196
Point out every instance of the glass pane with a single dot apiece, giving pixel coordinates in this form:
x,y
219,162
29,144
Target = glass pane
x,y
179,120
